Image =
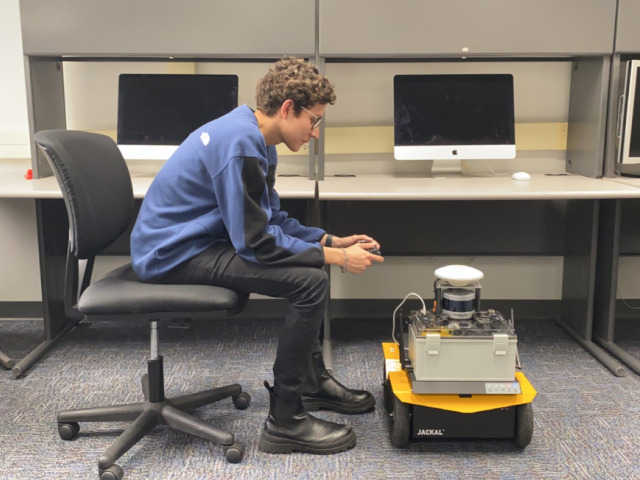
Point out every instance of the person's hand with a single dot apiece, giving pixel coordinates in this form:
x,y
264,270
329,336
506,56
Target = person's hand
x,y
365,241
358,258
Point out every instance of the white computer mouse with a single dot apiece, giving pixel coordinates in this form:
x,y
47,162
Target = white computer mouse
x,y
521,176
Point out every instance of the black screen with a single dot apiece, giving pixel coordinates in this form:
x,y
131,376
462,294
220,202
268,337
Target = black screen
x,y
163,109
454,109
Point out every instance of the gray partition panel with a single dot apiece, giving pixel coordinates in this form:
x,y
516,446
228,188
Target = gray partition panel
x,y
523,227
503,27
630,227
45,102
162,28
627,32
588,118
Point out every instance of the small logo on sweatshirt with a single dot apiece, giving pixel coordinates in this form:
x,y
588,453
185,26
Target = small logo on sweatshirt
x,y
204,137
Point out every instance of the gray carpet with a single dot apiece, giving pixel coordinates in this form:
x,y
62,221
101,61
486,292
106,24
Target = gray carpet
x,y
586,420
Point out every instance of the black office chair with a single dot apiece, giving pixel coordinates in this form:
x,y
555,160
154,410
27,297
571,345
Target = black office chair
x,y
98,194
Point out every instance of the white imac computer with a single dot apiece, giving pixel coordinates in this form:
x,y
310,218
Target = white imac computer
x,y
628,128
156,112
453,117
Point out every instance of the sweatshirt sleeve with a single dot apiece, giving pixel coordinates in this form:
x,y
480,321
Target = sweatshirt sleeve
x,y
290,226
245,205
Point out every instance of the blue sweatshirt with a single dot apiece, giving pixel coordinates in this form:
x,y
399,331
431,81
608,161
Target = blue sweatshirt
x,y
218,186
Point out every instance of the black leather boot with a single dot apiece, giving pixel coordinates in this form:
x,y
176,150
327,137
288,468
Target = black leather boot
x,y
289,428
325,392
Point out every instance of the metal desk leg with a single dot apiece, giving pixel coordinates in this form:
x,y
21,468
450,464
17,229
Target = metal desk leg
x,y
597,353
53,235
604,317
579,278
631,362
6,361
37,353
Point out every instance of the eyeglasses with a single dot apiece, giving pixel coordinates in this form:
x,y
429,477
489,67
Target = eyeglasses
x,y
318,121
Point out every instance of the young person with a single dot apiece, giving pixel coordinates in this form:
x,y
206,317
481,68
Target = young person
x,y
212,216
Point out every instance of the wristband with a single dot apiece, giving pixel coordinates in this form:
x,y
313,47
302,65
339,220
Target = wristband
x,y
343,268
329,240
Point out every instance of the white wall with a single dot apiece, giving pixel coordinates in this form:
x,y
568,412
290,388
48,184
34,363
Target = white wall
x,y
20,272
14,127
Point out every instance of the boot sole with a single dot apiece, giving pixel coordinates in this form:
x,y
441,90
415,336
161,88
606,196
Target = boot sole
x,y
272,444
314,404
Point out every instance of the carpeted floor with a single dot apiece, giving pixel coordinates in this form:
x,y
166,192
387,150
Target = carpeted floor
x,y
587,421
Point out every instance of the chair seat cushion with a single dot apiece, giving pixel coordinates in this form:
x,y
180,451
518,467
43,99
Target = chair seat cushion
x,y
121,293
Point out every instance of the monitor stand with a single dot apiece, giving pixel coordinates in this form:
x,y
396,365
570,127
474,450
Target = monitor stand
x,y
442,167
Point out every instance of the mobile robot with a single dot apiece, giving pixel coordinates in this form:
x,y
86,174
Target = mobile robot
x,y
452,372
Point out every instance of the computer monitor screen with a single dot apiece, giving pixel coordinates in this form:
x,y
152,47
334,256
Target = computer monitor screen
x,y
629,123
454,117
163,109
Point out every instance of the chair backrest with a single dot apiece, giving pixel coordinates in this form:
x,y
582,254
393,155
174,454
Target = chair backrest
x,y
96,186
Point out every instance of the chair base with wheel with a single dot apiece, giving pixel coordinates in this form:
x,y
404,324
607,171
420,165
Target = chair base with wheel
x,y
156,409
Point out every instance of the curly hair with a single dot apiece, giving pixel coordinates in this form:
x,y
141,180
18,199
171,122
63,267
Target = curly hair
x,y
293,78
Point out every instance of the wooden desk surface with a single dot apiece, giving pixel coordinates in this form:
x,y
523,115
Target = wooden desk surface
x,y
14,185
540,187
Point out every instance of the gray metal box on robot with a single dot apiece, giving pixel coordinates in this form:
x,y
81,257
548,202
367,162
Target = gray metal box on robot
x,y
480,349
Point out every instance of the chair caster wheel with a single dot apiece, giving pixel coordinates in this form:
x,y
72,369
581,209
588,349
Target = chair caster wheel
x,y
242,401
114,472
233,453
68,431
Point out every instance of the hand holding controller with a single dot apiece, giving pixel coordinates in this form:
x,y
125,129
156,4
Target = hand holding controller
x,y
373,250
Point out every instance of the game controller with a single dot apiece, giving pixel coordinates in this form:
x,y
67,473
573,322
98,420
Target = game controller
x,y
373,250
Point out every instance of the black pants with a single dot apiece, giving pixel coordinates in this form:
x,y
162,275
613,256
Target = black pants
x,y
306,289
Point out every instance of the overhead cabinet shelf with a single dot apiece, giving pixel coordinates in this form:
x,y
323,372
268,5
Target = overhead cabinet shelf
x,y
627,32
466,28
193,28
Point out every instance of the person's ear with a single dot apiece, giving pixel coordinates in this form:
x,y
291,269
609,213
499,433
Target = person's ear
x,y
287,108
